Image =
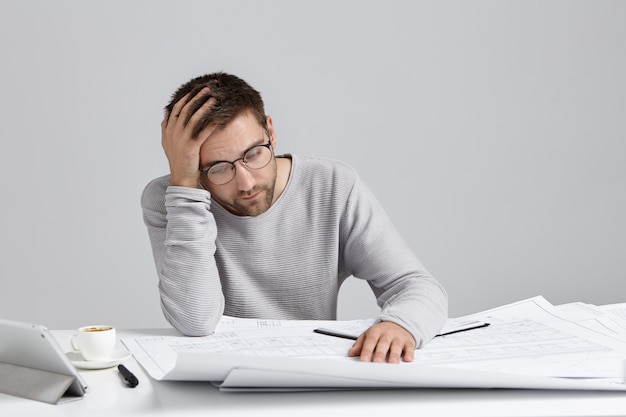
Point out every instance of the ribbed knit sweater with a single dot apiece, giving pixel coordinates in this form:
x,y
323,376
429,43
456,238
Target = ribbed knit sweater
x,y
289,262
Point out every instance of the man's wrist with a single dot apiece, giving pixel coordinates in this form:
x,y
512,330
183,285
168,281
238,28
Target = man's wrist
x,y
184,182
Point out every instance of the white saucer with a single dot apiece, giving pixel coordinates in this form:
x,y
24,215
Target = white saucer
x,y
118,356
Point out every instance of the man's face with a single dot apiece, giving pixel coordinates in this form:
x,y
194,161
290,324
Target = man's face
x,y
250,192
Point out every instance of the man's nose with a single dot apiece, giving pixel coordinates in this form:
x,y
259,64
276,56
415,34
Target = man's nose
x,y
244,177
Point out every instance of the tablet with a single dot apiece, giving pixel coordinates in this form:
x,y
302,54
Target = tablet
x,y
33,346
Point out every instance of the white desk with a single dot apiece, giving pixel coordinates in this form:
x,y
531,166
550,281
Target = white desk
x,y
111,397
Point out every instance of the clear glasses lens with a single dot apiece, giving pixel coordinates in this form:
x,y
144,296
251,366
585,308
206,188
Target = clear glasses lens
x,y
256,158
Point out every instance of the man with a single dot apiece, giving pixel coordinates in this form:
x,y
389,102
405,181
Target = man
x,y
239,231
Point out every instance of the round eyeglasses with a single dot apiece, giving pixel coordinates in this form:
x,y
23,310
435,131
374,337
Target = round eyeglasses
x,y
257,157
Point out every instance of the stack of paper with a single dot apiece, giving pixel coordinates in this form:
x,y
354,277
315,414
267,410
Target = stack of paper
x,y
530,344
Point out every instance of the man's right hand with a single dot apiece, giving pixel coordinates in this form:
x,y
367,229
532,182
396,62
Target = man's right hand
x,y
181,148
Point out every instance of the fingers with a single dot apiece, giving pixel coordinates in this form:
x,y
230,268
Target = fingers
x,y
197,107
409,353
189,110
182,136
356,349
381,349
384,342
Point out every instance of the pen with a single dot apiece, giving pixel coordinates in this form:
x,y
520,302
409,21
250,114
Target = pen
x,y
130,379
328,332
335,333
464,330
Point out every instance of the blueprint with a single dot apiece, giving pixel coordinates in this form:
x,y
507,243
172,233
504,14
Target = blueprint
x,y
530,343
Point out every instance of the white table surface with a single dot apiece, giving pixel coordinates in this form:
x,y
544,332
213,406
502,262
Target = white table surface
x,y
110,396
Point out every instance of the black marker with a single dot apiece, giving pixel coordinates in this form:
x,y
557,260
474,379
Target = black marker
x,y
464,330
130,379
328,332
335,333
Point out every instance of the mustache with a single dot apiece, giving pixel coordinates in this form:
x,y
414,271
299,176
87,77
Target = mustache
x,y
254,190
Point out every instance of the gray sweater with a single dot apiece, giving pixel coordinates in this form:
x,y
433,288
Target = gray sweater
x,y
289,262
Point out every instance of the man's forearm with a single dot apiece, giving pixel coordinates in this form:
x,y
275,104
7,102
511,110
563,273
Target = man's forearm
x,y
189,283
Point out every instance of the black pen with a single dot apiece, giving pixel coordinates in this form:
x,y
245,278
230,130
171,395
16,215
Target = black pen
x,y
130,379
335,333
464,330
329,332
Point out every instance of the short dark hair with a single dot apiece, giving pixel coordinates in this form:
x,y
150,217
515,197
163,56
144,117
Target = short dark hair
x,y
233,97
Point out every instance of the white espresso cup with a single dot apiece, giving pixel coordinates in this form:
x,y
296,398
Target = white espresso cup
x,y
95,343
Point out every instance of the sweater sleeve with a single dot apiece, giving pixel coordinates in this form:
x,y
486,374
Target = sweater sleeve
x,y
406,292
182,233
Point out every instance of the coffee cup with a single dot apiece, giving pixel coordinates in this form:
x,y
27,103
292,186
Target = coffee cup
x,y
95,343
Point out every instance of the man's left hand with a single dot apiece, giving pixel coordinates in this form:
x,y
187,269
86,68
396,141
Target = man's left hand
x,y
384,341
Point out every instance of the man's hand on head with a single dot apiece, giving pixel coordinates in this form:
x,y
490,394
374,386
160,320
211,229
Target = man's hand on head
x,y
384,341
181,147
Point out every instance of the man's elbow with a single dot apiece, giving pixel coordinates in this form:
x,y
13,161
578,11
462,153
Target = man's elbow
x,y
196,324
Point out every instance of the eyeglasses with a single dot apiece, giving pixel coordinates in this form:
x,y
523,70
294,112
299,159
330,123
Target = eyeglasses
x,y
257,157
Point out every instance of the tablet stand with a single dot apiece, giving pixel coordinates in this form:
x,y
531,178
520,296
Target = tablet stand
x,y
35,384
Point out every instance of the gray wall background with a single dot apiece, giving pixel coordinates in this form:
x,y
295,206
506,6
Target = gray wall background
x,y
494,133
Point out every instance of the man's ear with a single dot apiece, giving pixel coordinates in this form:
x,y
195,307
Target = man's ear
x,y
270,130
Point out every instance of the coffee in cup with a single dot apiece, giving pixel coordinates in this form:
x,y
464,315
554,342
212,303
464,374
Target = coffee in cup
x,y
95,343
